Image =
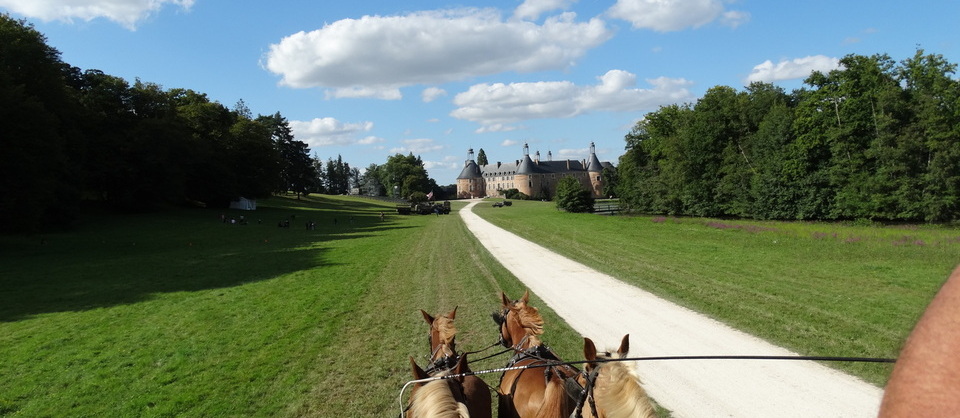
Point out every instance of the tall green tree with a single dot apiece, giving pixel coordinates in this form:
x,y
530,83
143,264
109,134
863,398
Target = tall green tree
x,y
482,158
572,197
933,136
39,139
405,174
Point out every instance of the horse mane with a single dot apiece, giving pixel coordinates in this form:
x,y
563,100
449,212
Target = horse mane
x,y
445,328
435,399
529,318
618,390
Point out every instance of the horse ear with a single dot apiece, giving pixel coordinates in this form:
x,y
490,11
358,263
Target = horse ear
x,y
418,373
461,366
589,349
505,300
624,345
453,314
427,317
526,297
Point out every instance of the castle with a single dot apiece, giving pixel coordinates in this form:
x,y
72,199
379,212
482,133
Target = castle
x,y
531,176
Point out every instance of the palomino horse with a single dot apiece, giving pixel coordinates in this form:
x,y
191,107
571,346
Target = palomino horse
x,y
532,392
441,398
612,389
444,356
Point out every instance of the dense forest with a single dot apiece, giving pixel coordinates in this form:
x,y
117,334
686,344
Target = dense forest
x,y
873,140
69,136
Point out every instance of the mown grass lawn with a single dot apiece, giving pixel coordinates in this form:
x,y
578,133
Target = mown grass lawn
x,y
179,314
818,288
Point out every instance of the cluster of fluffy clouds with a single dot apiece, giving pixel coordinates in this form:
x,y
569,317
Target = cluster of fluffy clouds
x,y
124,12
674,15
321,132
495,106
769,72
376,55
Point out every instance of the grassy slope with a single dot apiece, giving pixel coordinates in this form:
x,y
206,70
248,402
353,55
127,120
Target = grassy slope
x,y
821,289
179,314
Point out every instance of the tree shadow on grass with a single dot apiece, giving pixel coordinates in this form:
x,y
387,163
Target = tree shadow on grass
x,y
122,261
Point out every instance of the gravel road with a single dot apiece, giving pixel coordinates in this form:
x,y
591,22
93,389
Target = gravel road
x,y
603,308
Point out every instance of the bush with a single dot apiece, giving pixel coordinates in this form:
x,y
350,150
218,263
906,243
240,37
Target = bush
x,y
417,197
515,194
571,197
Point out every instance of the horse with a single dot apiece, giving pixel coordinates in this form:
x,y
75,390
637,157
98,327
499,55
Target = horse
x,y
532,392
441,398
612,389
444,356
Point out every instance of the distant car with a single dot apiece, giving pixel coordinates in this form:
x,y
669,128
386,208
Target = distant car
x,y
498,205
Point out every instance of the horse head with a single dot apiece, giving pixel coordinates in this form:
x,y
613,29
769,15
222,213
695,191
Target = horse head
x,y
520,324
442,335
612,388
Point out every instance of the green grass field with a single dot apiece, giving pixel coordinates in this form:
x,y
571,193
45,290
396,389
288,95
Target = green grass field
x,y
819,288
177,313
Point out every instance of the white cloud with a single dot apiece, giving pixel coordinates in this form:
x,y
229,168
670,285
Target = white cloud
x,y
792,69
532,9
573,153
125,12
370,140
417,146
432,93
674,15
495,104
496,127
386,93
509,143
734,18
377,53
322,132
441,165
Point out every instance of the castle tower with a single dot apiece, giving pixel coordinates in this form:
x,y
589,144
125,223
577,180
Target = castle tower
x,y
470,181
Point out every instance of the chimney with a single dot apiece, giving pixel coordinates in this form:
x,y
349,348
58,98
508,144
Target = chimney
x,y
536,158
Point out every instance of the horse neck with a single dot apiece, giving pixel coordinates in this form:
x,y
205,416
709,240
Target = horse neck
x,y
618,392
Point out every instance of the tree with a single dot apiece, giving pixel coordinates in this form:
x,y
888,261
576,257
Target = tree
x,y
39,138
297,173
482,158
572,197
405,174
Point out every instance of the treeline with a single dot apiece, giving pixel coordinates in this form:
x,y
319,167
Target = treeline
x,y
875,139
69,136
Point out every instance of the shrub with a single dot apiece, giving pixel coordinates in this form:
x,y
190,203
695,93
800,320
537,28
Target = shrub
x,y
571,197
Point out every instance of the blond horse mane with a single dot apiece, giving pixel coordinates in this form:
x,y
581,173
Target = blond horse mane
x,y
445,329
618,391
529,319
435,399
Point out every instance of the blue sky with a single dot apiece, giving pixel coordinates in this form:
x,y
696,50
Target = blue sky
x,y
369,79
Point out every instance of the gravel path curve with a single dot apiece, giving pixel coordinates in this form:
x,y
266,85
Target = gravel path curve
x,y
603,308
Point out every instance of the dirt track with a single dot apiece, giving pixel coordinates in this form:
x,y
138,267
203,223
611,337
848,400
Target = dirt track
x,y
604,309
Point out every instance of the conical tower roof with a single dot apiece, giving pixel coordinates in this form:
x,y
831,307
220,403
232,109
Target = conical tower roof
x,y
470,171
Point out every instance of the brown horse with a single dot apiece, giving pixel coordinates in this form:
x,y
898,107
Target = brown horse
x,y
612,388
444,356
532,392
441,398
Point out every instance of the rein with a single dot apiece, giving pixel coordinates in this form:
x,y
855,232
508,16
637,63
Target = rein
x,y
655,358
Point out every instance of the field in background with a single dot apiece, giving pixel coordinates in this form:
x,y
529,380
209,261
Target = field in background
x,y
178,313
818,288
